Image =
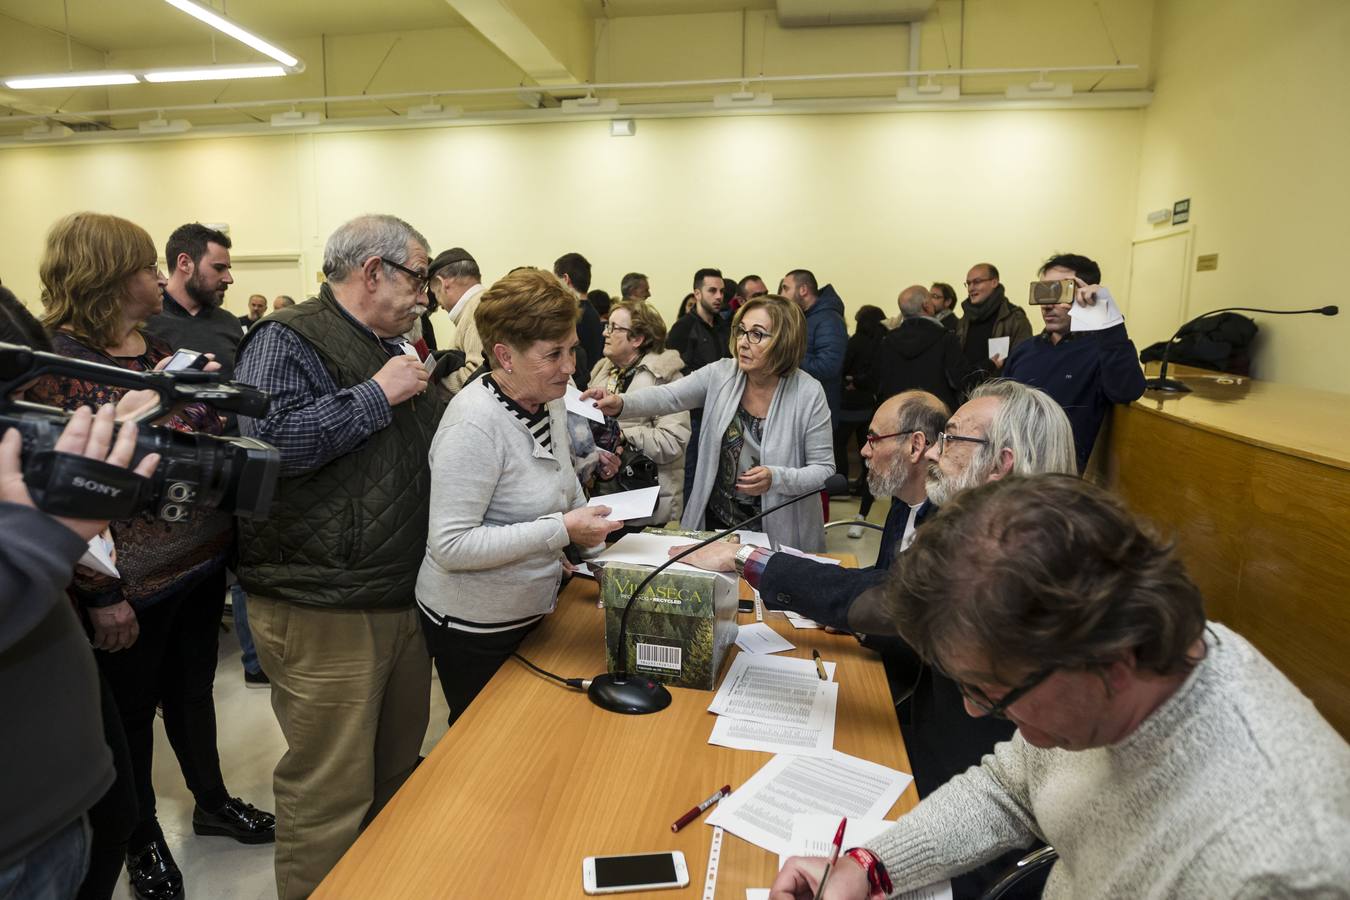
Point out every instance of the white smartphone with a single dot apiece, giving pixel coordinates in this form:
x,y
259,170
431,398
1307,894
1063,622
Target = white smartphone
x,y
635,872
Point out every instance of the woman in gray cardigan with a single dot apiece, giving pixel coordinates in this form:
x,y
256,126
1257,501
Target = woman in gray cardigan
x,y
766,427
504,498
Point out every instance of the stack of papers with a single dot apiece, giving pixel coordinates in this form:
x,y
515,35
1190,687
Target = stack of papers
x,y
775,704
760,638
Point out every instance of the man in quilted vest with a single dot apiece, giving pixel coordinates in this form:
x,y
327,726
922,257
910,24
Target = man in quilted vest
x,y
330,572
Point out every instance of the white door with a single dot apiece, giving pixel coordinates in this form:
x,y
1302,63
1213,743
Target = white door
x,y
1156,305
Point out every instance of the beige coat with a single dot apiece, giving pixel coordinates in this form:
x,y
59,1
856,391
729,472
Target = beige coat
x,y
663,438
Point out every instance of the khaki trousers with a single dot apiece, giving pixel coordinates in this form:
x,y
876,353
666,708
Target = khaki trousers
x,y
351,690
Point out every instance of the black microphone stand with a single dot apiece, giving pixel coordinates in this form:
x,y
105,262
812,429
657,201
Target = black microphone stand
x,y
1172,386
620,692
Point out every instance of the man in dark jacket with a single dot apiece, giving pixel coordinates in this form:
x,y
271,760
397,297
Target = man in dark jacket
x,y
922,355
701,336
826,333
199,275
987,313
1085,370
574,270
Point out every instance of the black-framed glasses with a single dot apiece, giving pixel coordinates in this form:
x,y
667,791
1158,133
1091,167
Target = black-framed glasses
x,y
753,337
975,282
999,708
420,280
944,437
610,327
872,437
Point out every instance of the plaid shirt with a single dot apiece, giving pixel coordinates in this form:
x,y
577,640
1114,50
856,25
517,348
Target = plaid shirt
x,y
310,420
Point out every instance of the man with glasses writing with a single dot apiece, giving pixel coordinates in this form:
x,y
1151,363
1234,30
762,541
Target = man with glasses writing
x,y
987,314
331,572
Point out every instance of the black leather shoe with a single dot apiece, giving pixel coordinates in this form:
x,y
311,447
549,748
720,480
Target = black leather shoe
x,y
154,875
242,821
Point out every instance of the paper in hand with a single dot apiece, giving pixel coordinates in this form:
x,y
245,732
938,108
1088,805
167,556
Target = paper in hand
x,y
627,505
999,346
99,555
1098,317
584,408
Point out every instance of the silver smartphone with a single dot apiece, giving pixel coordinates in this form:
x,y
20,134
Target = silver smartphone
x,y
635,872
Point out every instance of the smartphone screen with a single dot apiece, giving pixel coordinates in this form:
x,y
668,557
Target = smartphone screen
x,y
185,359
644,869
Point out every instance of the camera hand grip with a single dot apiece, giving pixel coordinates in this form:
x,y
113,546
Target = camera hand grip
x,y
77,487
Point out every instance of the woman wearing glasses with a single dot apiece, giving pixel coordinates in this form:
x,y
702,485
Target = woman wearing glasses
x,y
636,357
766,428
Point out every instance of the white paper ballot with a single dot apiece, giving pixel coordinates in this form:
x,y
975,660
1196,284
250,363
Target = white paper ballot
x,y
99,556
756,894
743,734
762,810
811,556
813,835
758,538
1104,314
999,347
649,550
760,638
583,570
799,621
776,690
584,408
627,505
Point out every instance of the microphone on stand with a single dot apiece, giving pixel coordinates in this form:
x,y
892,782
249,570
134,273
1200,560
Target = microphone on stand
x,y
623,693
1172,386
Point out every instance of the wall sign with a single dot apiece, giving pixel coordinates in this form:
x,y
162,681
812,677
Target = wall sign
x,y
1181,211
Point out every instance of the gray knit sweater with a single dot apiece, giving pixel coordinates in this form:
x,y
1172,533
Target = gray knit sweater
x,y
1235,787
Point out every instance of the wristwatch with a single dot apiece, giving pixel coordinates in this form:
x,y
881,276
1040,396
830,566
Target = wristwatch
x,y
742,557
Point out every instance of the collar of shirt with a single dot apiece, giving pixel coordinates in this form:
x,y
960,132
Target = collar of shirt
x,y
392,346
464,298
174,308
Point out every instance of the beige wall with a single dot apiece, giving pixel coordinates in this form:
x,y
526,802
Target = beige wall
x,y
1251,121
872,203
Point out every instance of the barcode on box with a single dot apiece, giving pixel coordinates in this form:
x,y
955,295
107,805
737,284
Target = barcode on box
x,y
659,656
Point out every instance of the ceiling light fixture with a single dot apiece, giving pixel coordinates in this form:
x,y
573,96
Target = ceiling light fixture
x,y
295,118
622,127
224,25
1040,89
928,92
435,111
47,131
590,104
161,125
741,99
214,73
69,79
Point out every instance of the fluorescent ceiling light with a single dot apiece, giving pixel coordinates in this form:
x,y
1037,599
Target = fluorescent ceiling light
x,y
295,118
435,111
590,105
1039,90
72,79
224,25
742,98
214,73
47,131
161,125
928,93
622,127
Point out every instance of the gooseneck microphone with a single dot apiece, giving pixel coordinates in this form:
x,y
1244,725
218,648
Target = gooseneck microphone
x,y
1172,386
623,693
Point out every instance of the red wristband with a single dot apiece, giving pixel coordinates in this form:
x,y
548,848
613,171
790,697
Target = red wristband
x,y
878,880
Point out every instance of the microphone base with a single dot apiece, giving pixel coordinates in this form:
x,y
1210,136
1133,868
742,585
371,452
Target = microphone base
x,y
1166,385
633,695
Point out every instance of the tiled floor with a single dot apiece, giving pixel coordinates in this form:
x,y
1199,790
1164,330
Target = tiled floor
x,y
216,868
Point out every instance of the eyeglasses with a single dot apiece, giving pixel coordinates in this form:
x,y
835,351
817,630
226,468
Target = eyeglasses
x,y
944,437
420,280
609,327
872,437
753,337
999,708
975,282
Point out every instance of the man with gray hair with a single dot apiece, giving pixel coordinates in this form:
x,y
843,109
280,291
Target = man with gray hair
x,y
921,355
635,287
330,573
457,283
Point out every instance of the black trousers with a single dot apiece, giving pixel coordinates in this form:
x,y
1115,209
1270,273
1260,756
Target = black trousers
x,y
466,661
173,663
113,817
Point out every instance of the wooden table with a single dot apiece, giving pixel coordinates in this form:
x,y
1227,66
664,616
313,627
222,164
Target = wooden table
x,y
1252,479
534,777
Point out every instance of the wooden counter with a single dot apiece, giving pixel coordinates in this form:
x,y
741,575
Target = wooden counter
x,y
534,777
1253,481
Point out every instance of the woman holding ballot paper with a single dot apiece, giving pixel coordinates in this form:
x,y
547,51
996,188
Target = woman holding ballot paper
x,y
766,428
504,496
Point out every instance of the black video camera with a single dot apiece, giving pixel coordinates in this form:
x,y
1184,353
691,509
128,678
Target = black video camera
x,y
233,474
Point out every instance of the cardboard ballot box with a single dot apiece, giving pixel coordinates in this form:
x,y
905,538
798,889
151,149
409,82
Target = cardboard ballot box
x,y
682,626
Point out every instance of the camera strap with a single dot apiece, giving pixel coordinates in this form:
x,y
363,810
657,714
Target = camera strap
x,y
63,484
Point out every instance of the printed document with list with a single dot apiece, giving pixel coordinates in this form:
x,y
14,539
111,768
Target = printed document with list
x,y
763,811
775,704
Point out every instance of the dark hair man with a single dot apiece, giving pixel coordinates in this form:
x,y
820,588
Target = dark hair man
x,y
919,354
257,308
635,286
989,314
1084,358
331,572
826,333
457,284
941,302
753,286
574,270
700,336
1159,754
198,259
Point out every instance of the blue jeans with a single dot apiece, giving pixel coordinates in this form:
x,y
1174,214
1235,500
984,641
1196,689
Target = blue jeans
x,y
52,871
238,599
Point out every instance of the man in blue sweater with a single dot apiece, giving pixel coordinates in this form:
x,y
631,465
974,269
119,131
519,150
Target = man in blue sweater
x,y
1085,371
826,333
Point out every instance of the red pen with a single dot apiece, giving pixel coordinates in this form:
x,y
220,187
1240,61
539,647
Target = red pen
x,y
834,858
698,810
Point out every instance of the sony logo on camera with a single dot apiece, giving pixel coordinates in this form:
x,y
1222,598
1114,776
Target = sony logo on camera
x,y
97,487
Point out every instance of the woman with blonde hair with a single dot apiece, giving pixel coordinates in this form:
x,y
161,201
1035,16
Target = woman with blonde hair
x,y
156,628
505,500
766,427
636,357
